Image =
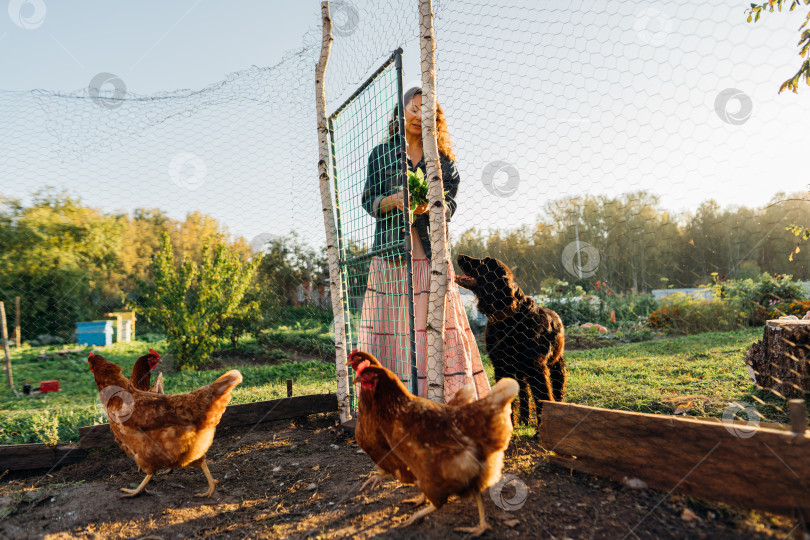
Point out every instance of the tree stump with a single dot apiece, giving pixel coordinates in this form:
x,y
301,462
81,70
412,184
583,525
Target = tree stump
x,y
780,362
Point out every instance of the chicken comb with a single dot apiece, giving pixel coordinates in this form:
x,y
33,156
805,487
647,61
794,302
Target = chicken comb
x,y
153,352
363,365
91,355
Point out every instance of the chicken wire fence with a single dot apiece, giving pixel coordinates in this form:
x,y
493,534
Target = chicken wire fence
x,y
591,143
369,164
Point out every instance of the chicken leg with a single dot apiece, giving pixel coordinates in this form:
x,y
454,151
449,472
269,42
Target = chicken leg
x,y
137,490
419,515
419,500
375,480
483,526
211,482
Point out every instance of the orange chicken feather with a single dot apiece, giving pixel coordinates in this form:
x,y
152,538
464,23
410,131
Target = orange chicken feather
x,y
371,440
449,450
142,373
157,430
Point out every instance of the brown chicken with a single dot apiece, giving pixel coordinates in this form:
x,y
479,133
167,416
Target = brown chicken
x,y
449,450
157,430
142,373
370,437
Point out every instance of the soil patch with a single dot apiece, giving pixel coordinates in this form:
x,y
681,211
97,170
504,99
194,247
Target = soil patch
x,y
301,479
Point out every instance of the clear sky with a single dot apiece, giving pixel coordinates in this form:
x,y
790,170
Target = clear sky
x,y
596,97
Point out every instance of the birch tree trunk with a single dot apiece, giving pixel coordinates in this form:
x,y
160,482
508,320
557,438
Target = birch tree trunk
x,y
335,281
438,236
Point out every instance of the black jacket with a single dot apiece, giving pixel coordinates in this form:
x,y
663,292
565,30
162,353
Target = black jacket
x,y
384,179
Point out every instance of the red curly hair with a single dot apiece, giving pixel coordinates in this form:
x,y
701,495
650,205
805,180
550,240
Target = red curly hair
x,y
442,134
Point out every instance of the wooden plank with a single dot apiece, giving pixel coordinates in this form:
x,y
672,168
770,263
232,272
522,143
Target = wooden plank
x,y
245,414
96,436
349,426
17,457
747,466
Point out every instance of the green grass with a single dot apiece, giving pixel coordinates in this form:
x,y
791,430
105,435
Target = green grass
x,y
707,369
56,416
304,330
652,376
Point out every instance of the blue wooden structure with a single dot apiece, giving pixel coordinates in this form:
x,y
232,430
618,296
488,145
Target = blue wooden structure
x,y
95,333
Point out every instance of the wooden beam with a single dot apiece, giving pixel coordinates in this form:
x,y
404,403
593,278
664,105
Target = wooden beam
x,y
349,426
18,457
245,414
96,436
744,465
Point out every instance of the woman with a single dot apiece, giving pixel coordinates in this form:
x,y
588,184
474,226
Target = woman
x,y
384,328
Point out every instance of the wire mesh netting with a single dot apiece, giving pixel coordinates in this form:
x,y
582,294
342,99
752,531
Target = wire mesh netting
x,y
604,156
611,155
368,155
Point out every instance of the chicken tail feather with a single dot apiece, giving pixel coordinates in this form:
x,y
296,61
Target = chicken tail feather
x,y
226,382
505,391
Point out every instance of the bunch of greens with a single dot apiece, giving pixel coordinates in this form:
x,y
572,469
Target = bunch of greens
x,y
418,188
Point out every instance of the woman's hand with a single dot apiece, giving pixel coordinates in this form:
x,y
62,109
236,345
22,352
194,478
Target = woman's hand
x,y
397,200
421,209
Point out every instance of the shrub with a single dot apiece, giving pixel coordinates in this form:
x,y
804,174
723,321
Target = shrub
x,y
759,299
572,303
684,314
193,302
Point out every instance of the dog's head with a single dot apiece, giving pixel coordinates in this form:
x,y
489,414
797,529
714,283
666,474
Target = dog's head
x,y
492,283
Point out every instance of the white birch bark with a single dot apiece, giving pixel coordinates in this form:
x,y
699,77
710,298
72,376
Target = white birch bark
x,y
324,160
438,237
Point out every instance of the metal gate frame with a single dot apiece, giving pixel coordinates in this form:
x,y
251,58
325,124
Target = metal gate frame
x,y
405,248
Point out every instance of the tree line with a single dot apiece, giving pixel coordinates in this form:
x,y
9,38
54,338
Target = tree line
x,y
640,245
70,262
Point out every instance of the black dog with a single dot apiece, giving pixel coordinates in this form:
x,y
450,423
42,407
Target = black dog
x,y
524,341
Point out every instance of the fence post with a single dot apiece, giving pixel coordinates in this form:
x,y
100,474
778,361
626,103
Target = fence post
x,y
438,237
17,327
798,416
335,281
4,335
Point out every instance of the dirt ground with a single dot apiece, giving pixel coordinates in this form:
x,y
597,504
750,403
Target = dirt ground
x,y
301,479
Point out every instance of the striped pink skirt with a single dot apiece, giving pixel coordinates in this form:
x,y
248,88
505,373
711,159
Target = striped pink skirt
x,y
385,330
